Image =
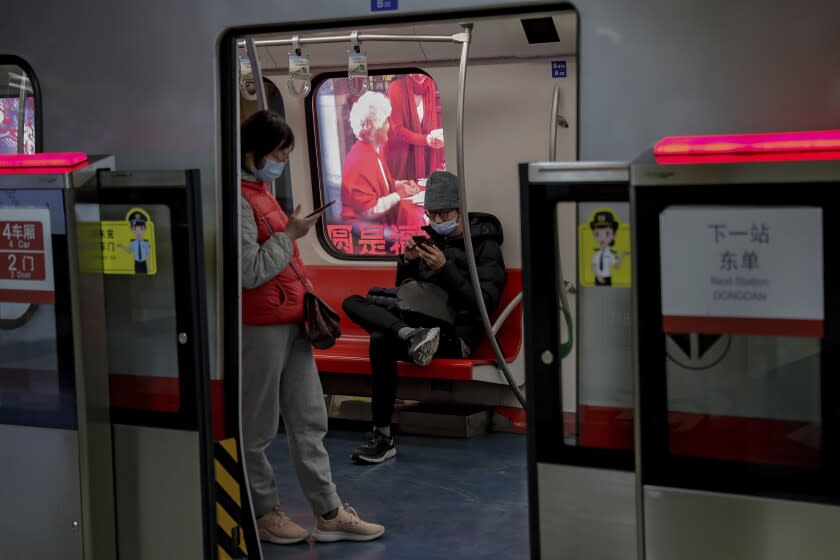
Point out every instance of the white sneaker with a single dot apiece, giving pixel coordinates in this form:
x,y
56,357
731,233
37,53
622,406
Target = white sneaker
x,y
423,344
346,526
276,527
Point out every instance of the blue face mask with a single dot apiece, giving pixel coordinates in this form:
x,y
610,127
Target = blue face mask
x,y
445,228
271,171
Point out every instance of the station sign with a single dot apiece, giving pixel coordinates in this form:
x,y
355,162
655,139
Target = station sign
x,y
742,270
384,5
26,266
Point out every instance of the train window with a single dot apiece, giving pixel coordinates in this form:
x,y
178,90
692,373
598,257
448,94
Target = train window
x,y
745,398
18,101
141,314
738,402
36,376
375,153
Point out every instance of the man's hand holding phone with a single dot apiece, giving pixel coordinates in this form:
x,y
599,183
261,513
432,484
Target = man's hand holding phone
x,y
431,255
412,247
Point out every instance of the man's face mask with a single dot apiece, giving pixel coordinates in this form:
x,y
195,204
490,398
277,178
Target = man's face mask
x,y
447,227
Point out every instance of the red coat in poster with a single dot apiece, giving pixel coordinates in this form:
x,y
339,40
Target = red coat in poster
x,y
363,184
409,154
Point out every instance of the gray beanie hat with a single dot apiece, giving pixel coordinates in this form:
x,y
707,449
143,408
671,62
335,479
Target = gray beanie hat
x,y
442,191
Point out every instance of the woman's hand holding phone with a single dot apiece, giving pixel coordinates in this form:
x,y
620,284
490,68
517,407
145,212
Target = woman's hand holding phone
x,y
320,210
298,225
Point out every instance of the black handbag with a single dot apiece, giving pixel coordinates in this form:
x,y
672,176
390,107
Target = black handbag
x,y
423,301
427,300
320,321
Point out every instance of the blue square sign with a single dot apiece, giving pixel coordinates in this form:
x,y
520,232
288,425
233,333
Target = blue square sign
x,y
558,68
384,5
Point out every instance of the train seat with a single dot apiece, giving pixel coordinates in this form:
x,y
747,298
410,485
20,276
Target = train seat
x,y
350,354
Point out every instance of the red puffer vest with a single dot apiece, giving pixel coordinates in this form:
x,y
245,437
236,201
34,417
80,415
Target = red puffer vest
x,y
280,300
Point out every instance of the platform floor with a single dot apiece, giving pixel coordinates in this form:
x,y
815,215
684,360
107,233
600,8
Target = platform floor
x,y
439,498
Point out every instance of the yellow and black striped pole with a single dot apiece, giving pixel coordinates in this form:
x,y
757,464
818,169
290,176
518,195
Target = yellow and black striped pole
x,y
229,500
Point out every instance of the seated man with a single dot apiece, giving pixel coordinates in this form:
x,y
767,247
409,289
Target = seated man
x,y
398,335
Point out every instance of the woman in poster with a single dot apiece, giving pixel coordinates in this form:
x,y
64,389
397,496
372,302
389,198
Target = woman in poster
x,y
415,146
368,191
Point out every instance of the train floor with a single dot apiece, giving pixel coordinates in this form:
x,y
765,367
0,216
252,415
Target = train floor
x,y
439,498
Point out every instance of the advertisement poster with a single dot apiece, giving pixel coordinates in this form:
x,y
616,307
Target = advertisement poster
x,y
9,125
376,153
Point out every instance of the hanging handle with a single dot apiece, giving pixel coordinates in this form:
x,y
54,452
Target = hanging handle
x,y
357,67
298,70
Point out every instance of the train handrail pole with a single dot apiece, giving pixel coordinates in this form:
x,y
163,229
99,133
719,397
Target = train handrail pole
x,y
256,69
552,123
457,38
462,195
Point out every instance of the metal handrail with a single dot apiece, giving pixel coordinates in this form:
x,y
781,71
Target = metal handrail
x,y
256,70
501,364
500,320
552,125
21,116
457,38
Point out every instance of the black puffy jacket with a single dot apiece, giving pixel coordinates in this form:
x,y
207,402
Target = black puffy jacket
x,y
454,276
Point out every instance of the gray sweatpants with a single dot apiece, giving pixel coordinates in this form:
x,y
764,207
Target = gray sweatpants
x,y
279,376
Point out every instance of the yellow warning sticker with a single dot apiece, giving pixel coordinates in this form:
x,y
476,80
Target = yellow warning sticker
x,y
128,246
604,250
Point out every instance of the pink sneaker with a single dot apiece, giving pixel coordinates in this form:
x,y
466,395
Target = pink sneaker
x,y
346,526
276,527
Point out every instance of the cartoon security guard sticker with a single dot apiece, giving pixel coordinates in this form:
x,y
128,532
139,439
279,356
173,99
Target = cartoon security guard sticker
x,y
129,245
139,248
604,249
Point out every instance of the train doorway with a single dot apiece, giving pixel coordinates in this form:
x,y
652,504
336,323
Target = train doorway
x,y
520,104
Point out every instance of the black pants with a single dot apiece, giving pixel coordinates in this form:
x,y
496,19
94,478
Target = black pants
x,y
386,349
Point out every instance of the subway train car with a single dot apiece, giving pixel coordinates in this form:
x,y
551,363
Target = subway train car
x,y
163,88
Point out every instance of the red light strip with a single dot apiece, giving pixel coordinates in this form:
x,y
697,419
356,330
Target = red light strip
x,y
747,158
776,142
53,159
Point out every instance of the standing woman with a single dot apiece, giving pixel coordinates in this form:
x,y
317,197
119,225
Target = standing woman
x,y
278,369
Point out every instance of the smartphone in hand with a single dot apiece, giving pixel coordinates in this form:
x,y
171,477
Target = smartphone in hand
x,y
421,239
324,207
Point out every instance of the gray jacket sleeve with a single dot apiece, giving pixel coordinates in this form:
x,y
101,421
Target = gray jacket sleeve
x,y
261,263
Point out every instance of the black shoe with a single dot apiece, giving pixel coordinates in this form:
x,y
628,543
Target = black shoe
x,y
376,449
422,345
